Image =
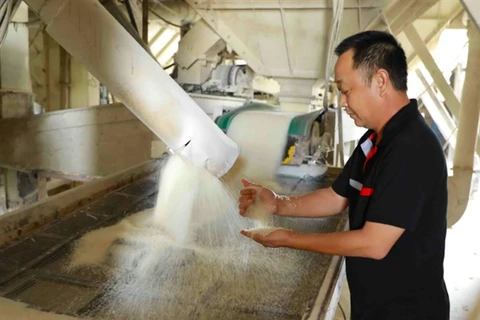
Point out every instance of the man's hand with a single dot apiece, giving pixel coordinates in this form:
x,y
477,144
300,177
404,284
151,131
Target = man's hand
x,y
250,193
275,239
373,241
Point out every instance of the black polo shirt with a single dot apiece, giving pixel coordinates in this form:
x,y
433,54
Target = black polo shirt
x,y
402,181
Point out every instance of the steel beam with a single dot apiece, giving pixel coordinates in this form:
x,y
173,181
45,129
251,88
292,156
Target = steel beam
x,y
400,14
473,9
217,24
175,37
412,59
285,4
157,36
438,111
437,75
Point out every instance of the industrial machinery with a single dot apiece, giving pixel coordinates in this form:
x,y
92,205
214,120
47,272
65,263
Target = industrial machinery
x,y
306,146
234,58
32,268
228,59
167,110
36,240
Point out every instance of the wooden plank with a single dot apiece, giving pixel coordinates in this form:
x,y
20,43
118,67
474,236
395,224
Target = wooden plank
x,y
88,142
23,221
52,121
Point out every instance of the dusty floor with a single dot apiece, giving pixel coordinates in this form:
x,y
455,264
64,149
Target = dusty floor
x,y
462,268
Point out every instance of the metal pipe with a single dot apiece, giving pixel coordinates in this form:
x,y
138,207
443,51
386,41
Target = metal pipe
x,y
460,184
130,14
92,36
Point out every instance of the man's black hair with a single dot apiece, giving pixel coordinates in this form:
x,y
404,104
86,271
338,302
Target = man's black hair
x,y
373,50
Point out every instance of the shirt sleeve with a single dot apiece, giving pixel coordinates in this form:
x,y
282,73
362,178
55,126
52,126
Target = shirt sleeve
x,y
401,190
342,182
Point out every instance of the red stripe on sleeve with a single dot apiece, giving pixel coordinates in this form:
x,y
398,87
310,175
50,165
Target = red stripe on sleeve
x,y
366,192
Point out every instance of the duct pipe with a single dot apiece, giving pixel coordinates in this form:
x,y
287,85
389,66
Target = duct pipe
x,y
460,184
92,36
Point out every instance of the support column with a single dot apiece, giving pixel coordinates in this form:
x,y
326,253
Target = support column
x,y
52,70
11,189
15,84
65,79
145,5
463,162
85,88
16,100
3,194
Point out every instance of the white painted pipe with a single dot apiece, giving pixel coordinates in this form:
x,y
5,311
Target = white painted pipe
x,y
90,34
460,184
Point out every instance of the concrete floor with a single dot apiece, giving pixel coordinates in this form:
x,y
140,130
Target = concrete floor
x,y
462,267
462,264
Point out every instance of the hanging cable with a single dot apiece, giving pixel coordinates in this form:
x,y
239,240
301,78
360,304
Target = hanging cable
x,y
164,20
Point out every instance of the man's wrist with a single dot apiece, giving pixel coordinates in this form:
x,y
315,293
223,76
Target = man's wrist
x,y
290,240
282,203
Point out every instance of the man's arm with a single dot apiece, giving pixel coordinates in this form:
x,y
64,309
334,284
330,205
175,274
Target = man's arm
x,y
320,203
374,241
403,186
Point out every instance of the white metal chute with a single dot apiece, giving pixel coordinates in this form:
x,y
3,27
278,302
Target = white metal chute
x,y
92,36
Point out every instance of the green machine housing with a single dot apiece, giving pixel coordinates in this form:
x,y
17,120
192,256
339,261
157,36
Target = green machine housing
x,y
304,133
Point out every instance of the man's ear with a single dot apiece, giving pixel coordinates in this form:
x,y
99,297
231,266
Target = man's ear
x,y
381,81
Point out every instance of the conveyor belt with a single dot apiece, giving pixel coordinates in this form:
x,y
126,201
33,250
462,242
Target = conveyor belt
x,y
32,270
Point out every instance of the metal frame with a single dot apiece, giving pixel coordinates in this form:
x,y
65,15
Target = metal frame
x,y
440,27
284,4
473,9
432,67
25,220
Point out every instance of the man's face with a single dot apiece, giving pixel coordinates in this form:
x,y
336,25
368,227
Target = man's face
x,y
358,99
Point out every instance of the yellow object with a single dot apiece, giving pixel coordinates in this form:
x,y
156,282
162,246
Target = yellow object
x,y
291,152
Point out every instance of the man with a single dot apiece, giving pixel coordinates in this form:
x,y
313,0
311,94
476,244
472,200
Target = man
x,y
395,185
